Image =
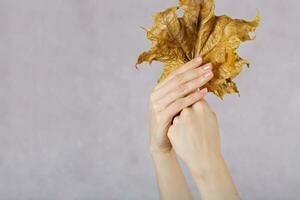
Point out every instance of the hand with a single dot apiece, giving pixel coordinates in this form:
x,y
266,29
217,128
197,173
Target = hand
x,y
176,92
195,137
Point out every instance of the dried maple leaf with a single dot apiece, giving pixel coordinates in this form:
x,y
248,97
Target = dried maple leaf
x,y
178,39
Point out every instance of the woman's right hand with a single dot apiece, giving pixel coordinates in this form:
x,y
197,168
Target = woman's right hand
x,y
195,137
176,92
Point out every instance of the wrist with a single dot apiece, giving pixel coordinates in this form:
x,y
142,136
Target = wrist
x,y
157,150
159,155
208,167
215,181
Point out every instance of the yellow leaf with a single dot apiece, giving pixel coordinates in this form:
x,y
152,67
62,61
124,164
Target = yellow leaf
x,y
178,39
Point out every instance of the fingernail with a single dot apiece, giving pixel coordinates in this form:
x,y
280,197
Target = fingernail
x,y
207,74
207,67
199,59
203,91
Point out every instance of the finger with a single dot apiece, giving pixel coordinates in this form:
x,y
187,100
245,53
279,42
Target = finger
x,y
182,78
182,103
175,120
183,90
202,105
187,66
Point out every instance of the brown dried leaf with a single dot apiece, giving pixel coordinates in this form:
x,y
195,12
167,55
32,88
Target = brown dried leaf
x,y
178,39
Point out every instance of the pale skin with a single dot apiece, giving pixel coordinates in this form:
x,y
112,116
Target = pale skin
x,y
183,124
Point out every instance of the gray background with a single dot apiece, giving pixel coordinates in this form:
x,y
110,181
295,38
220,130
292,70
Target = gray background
x,y
73,110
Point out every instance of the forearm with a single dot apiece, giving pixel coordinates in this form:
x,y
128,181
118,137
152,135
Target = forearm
x,y
215,182
171,180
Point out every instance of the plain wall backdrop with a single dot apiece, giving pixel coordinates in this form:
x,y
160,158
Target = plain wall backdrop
x,y
73,109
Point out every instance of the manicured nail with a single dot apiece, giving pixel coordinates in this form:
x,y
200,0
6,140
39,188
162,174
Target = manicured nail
x,y
207,74
199,59
203,91
207,67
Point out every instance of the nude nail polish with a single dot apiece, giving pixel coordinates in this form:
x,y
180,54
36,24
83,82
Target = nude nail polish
x,y
199,59
207,67
207,74
204,91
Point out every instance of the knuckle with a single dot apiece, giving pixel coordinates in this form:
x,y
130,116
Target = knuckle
x,y
182,89
185,111
179,78
201,81
199,106
192,98
180,103
186,114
